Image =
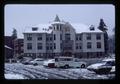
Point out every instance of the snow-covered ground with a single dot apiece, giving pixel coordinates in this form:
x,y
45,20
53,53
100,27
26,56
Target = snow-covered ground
x,y
20,71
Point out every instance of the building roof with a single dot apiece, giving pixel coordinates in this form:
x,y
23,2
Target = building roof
x,y
82,28
79,28
42,28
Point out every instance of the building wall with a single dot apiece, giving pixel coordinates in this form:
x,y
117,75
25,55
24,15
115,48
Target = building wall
x,y
93,41
84,52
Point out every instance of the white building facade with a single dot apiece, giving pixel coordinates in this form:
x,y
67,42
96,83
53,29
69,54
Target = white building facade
x,y
61,38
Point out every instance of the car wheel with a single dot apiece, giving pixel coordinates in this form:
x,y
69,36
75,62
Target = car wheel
x,y
35,64
83,66
66,66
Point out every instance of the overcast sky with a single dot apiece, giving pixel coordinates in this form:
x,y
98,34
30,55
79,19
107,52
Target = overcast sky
x,y
22,16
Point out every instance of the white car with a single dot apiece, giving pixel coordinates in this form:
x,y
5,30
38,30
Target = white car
x,y
49,63
104,67
37,61
67,62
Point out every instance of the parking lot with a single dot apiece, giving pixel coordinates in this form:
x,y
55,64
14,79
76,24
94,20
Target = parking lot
x,y
21,71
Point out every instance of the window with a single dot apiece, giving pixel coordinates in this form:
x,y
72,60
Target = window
x,y
39,46
80,38
39,38
61,46
50,38
60,36
67,36
76,38
29,37
54,27
98,36
89,45
34,29
60,27
54,37
89,54
47,47
47,38
54,46
76,45
88,36
80,47
98,44
57,27
29,46
50,47
99,54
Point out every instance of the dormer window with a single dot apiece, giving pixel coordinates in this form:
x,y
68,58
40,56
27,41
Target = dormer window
x,y
92,28
34,28
50,27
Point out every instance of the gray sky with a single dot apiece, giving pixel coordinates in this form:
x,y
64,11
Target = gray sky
x,y
22,16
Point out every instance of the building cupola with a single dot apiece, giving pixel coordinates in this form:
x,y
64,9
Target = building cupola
x,y
57,19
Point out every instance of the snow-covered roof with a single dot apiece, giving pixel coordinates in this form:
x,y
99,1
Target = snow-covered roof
x,y
42,28
8,47
82,28
79,28
57,23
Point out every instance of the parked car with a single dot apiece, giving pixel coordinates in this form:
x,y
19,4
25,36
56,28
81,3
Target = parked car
x,y
27,62
49,63
67,62
103,67
112,63
37,61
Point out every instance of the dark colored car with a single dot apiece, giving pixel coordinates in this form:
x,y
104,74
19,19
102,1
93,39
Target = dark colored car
x,y
103,67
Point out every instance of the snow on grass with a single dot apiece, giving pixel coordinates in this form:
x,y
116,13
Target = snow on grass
x,y
14,76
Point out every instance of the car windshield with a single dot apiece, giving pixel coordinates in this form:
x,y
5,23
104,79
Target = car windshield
x,y
111,63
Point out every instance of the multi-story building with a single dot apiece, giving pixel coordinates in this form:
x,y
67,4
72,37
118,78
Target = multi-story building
x,y
60,38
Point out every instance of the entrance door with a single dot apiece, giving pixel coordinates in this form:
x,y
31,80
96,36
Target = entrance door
x,y
67,54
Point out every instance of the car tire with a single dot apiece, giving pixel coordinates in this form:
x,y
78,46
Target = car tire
x,y
35,64
82,66
66,66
